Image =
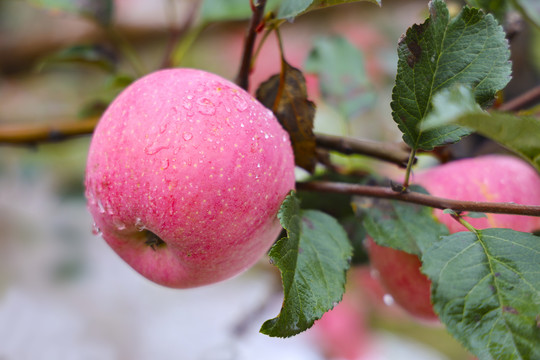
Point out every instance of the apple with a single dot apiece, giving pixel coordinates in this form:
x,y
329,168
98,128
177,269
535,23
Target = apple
x,y
185,174
494,178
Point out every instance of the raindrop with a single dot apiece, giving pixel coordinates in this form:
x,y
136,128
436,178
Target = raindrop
x,y
186,104
206,107
100,207
119,224
164,164
240,103
139,226
188,136
388,300
95,229
163,127
155,148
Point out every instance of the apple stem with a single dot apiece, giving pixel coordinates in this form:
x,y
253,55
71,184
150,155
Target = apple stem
x,y
419,198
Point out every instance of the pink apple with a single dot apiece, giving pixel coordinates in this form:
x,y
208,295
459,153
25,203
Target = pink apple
x,y
186,172
494,178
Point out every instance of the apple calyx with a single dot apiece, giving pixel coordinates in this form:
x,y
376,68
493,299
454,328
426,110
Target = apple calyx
x,y
154,241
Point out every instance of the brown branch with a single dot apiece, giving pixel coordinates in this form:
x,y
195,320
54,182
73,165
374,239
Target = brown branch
x,y
245,67
522,100
391,152
419,198
33,133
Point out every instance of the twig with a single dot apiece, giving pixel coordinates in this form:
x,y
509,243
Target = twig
x,y
176,33
522,100
391,152
419,198
243,74
34,133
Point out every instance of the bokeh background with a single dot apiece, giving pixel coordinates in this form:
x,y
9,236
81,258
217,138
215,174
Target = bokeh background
x,y
65,295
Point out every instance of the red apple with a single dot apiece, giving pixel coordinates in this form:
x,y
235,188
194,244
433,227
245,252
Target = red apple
x,y
494,178
186,172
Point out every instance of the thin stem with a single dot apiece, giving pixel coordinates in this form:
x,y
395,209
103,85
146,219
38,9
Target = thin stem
x,y
243,73
185,43
419,198
522,100
175,33
410,164
390,152
125,47
463,222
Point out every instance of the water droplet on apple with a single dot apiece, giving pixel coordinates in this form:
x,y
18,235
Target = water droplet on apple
x,y
206,107
139,225
188,136
101,208
186,104
164,164
163,127
240,103
388,300
119,224
95,229
155,148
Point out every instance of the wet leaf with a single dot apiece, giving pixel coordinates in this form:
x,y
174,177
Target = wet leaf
x,y
468,50
486,290
518,133
286,95
293,8
313,260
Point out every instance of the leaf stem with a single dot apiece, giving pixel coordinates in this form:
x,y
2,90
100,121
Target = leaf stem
x,y
419,198
127,50
412,159
242,78
456,216
178,34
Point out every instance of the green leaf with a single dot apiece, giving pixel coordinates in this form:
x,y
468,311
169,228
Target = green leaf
x,y
313,260
292,8
519,134
85,54
230,10
407,227
469,49
100,11
342,75
486,290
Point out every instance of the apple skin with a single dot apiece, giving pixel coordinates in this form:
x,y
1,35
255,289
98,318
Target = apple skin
x,y
494,178
185,174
